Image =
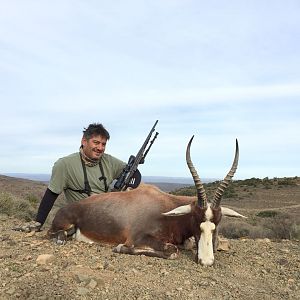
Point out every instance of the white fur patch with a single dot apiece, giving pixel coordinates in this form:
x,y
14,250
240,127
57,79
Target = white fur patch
x,y
173,256
208,213
205,245
81,238
145,249
118,248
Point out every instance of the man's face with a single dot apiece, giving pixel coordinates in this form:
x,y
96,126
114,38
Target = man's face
x,y
94,147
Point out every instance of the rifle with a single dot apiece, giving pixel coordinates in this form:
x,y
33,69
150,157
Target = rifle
x,y
133,162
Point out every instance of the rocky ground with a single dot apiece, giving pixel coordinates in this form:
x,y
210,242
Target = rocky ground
x,y
32,267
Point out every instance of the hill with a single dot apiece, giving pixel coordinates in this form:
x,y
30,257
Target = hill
x,y
252,268
166,184
147,179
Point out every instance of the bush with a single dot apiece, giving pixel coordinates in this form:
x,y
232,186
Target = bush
x,y
235,230
32,199
19,208
295,231
267,186
282,226
6,203
287,181
267,214
267,225
260,232
186,191
252,182
230,192
267,183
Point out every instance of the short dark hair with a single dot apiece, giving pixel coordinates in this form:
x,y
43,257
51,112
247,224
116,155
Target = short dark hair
x,y
95,129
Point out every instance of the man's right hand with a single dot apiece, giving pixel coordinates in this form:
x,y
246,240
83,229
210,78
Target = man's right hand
x,y
29,227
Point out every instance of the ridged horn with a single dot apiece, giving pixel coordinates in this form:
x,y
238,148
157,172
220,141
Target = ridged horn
x,y
202,200
224,184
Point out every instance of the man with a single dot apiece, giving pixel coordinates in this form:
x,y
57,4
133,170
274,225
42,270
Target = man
x,y
78,175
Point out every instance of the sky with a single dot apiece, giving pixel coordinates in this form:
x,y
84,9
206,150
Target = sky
x,y
218,70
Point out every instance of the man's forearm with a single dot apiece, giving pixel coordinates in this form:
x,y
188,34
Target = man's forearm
x,y
45,206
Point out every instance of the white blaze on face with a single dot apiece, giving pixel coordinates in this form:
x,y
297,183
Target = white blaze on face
x,y
205,246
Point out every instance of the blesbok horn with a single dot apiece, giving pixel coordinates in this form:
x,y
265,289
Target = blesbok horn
x,y
224,184
202,200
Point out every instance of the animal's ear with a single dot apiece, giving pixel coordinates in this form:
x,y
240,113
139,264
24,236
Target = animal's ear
x,y
179,211
230,213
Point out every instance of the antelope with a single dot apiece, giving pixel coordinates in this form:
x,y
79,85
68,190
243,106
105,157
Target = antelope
x,y
147,220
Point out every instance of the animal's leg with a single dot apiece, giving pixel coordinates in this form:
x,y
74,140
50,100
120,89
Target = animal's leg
x,y
60,236
188,244
149,247
215,239
197,238
170,251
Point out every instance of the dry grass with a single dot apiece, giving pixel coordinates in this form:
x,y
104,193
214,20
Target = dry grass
x,y
21,197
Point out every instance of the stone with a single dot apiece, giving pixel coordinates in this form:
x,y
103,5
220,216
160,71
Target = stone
x,y
223,244
44,259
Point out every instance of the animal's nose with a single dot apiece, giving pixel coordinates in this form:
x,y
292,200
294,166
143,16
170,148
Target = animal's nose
x,y
206,262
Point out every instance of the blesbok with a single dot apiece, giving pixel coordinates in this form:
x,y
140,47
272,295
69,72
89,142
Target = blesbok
x,y
147,220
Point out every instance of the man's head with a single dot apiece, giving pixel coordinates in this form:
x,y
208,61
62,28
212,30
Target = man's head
x,y
94,140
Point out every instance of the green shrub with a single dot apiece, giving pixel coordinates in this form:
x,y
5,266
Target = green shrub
x,y
33,199
186,191
267,214
6,203
267,182
267,225
260,232
268,187
282,226
252,182
235,230
230,192
287,181
295,231
17,207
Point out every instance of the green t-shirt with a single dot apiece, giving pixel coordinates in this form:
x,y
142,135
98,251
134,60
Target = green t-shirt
x,y
67,173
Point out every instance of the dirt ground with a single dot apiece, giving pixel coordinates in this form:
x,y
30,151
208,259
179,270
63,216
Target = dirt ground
x,y
250,269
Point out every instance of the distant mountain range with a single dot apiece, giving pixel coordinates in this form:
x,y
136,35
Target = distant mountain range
x,y
35,177
146,179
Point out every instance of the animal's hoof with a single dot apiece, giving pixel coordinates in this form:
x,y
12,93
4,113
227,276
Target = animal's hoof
x,y
118,248
173,256
171,251
58,241
189,244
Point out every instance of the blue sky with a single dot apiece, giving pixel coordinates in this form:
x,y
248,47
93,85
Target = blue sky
x,y
218,70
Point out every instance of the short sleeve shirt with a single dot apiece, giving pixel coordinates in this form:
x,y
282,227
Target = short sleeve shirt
x,y
67,174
